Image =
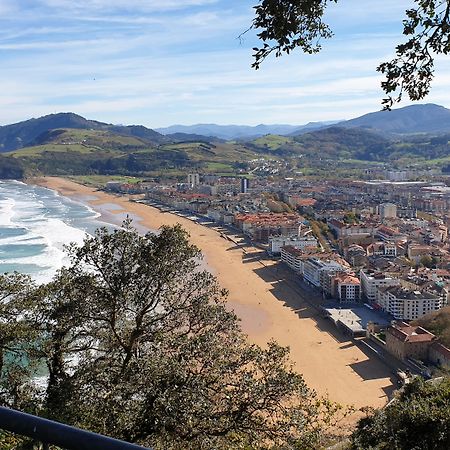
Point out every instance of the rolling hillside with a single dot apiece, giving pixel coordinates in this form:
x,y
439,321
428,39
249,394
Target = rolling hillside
x,y
87,152
429,118
340,143
90,148
24,134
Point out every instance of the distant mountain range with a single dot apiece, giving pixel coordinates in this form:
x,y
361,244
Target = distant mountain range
x,y
428,118
27,133
415,119
231,132
66,143
370,136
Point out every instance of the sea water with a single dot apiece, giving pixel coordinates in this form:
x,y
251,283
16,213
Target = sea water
x,y
35,225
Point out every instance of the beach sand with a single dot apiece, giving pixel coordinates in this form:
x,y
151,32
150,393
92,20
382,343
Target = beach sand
x,y
267,300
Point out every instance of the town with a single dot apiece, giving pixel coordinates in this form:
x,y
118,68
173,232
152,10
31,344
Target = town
x,y
374,254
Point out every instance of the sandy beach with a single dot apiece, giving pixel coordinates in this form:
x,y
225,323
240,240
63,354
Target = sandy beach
x,y
266,298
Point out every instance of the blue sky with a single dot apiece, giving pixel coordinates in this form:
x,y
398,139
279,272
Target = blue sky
x,y
161,62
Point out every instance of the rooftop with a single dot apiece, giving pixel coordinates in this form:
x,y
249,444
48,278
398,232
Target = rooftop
x,y
409,333
344,278
407,294
355,318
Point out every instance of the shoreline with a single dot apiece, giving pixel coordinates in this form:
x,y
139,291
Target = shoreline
x,y
264,297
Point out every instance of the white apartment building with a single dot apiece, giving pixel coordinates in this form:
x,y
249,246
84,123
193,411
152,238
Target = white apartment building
x,y
318,272
347,287
193,179
387,211
293,257
301,243
371,281
388,249
405,304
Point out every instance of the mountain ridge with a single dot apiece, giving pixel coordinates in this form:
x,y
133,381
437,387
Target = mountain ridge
x,y
231,132
21,134
413,119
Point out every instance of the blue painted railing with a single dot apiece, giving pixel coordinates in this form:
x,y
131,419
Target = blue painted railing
x,y
49,432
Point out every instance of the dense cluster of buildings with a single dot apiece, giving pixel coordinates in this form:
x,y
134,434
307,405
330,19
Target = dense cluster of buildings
x,y
388,239
385,242
379,243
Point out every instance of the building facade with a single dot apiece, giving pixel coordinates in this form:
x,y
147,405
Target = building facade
x,y
405,304
277,242
371,281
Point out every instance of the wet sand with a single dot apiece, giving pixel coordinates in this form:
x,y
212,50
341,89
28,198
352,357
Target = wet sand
x,y
266,298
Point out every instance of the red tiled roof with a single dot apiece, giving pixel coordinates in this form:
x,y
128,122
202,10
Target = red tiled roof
x,y
306,201
387,230
407,333
345,278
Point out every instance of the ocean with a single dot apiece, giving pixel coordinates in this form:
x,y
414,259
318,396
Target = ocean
x,y
35,224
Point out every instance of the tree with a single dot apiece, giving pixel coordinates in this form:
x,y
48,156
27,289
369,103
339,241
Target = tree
x,y
285,25
138,345
417,419
428,261
11,168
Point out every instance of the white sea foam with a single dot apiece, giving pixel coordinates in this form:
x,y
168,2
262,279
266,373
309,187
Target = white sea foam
x,y
6,210
35,225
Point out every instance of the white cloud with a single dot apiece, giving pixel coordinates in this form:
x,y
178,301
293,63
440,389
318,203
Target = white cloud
x,y
160,62
135,6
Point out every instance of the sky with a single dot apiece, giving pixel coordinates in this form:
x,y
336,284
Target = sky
x,y
164,62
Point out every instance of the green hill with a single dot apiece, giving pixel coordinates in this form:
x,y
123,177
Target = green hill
x,y
413,119
90,152
24,134
87,147
342,143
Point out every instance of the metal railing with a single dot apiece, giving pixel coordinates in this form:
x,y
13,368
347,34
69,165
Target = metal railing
x,y
49,432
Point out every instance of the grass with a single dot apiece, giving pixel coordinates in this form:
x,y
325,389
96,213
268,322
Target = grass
x,y
219,167
59,148
272,141
359,162
101,180
83,142
98,137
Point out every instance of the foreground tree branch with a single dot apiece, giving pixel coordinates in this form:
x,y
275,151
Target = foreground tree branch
x,y
135,342
285,25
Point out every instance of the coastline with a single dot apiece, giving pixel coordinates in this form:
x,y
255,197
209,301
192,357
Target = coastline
x,y
264,298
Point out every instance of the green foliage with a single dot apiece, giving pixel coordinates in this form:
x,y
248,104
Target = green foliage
x,y
320,231
98,152
47,128
438,322
285,25
272,141
138,345
351,218
412,70
338,142
99,181
278,206
428,261
10,168
418,419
